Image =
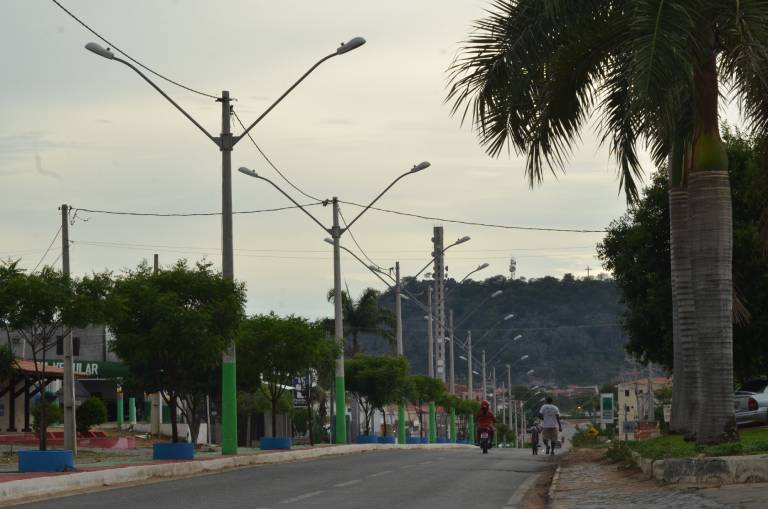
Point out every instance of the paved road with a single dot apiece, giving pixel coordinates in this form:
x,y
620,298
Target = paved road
x,y
407,479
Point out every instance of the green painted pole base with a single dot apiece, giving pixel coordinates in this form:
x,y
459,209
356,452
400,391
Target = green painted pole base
x,y
341,411
132,410
432,422
120,412
402,425
453,425
472,437
228,408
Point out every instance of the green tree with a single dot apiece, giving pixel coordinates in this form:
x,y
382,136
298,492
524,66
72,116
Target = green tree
x,y
424,389
41,306
91,412
278,350
375,381
534,72
365,315
170,328
7,364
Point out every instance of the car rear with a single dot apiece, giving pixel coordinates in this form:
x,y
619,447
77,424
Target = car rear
x,y
751,403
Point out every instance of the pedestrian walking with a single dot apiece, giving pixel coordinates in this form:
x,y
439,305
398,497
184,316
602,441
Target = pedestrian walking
x,y
535,432
550,416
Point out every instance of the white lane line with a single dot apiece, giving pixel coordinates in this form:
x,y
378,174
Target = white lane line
x,y
426,462
301,497
348,483
409,466
381,473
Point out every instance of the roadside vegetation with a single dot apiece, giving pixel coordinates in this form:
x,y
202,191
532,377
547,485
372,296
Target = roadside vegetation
x,y
753,441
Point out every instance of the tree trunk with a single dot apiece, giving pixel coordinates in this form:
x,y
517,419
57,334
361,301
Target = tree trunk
x,y
274,417
309,408
711,236
685,387
248,430
43,417
173,403
384,420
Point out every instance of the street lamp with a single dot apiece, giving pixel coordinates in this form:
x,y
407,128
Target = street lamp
x,y
225,143
336,232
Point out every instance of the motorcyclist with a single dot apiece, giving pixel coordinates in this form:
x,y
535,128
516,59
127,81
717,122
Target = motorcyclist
x,y
485,420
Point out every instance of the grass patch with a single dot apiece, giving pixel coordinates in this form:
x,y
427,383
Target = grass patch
x,y
754,441
583,439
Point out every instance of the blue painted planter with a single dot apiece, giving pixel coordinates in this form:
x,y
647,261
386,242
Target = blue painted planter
x,y
387,440
55,460
274,443
413,440
171,451
366,439
442,440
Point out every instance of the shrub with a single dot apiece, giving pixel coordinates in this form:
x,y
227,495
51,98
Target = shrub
x,y
619,452
91,412
53,413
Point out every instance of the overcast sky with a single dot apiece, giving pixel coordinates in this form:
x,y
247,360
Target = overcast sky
x,y
78,129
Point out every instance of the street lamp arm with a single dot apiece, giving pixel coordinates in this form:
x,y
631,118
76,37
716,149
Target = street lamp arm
x,y
366,266
279,99
213,139
349,225
251,173
460,241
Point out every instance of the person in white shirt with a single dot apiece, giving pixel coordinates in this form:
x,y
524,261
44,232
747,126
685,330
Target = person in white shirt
x,y
550,416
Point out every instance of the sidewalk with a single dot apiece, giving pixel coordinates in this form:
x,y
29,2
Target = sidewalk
x,y
16,487
583,481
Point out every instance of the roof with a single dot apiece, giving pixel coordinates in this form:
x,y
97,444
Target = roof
x,y
659,380
27,367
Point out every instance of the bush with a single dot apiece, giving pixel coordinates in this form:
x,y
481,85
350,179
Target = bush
x,y
91,412
53,413
619,452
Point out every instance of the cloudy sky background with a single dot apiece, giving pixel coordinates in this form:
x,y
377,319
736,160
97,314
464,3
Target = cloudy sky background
x,y
78,129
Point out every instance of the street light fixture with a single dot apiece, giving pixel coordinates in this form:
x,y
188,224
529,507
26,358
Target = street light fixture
x,y
225,143
336,232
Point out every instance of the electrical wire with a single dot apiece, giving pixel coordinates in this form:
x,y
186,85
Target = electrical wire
x,y
190,214
346,229
58,232
472,223
269,161
94,32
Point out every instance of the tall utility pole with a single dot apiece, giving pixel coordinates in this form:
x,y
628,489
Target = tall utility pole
x,y
452,372
430,339
156,416
485,380
495,402
509,389
68,384
341,400
401,431
470,375
439,284
651,410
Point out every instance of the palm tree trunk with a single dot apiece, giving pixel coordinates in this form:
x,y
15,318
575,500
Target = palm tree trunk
x,y
685,388
711,235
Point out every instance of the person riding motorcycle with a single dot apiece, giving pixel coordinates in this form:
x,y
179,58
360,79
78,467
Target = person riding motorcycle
x,y
485,420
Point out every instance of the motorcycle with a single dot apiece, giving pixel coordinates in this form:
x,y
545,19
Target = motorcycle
x,y
485,439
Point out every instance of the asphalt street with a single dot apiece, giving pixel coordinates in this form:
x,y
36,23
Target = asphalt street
x,y
385,479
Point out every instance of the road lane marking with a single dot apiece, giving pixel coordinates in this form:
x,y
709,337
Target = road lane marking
x,y
409,466
381,473
348,483
517,497
301,497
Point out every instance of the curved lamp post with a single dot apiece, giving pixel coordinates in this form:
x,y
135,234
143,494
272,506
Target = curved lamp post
x,y
335,231
225,143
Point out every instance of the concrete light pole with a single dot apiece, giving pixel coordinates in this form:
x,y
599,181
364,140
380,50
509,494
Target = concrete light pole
x,y
68,383
470,376
401,431
336,232
226,143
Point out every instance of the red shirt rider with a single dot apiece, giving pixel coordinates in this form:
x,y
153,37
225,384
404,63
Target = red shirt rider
x,y
485,417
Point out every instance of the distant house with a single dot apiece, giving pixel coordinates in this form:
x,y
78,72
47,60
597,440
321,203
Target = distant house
x,y
632,404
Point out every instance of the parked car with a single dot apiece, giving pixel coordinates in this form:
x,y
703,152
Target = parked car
x,y
751,403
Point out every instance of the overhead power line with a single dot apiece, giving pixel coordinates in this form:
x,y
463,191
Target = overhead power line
x,y
129,57
58,232
269,161
188,214
355,240
473,223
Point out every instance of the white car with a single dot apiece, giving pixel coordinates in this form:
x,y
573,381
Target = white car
x,y
751,403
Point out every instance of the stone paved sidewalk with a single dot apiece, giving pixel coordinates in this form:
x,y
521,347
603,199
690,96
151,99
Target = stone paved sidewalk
x,y
583,481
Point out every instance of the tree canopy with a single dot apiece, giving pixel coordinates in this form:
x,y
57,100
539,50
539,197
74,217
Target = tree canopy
x,y
170,329
375,381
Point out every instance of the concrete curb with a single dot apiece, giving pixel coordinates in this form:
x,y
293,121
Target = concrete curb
x,y
41,487
705,471
553,488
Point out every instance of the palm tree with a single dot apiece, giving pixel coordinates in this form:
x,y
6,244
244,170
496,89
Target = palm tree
x,y
534,72
364,316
